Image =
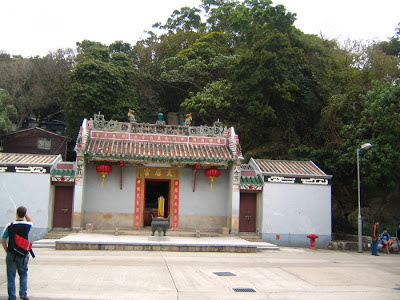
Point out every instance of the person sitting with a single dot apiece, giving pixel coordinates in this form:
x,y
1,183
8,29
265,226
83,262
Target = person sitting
x,y
386,240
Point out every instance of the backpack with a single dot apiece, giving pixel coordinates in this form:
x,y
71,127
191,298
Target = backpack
x,y
22,246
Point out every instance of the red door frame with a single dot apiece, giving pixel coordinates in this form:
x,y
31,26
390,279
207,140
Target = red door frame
x,y
144,196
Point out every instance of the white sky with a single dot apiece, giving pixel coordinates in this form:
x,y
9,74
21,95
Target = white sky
x,y
31,28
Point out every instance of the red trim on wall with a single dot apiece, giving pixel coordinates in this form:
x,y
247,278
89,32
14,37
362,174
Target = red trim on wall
x,y
175,215
138,197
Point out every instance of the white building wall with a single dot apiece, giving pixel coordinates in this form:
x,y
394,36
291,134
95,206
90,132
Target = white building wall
x,y
203,209
109,206
35,192
294,211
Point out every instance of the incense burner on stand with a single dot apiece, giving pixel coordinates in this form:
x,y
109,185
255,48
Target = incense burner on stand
x,y
160,223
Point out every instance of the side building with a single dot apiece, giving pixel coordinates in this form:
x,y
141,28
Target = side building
x,y
25,179
284,201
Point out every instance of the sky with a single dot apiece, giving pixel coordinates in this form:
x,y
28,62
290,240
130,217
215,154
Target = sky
x,y
31,28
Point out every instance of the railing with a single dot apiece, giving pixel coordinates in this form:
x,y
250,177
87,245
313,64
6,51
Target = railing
x,y
217,130
246,167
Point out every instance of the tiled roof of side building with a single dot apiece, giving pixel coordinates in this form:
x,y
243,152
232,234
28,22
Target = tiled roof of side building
x,y
22,159
288,167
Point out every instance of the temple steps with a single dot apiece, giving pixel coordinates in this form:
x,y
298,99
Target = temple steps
x,y
146,231
250,237
56,234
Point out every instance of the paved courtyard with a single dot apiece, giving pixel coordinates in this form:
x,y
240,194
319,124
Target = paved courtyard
x,y
291,273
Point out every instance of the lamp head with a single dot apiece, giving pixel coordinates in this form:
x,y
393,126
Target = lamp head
x,y
366,146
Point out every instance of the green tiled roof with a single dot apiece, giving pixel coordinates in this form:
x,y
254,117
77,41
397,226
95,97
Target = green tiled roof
x,y
62,173
251,180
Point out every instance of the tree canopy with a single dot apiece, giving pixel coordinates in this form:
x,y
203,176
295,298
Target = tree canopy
x,y
101,81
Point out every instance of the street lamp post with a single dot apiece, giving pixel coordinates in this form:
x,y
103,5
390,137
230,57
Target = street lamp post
x,y
364,146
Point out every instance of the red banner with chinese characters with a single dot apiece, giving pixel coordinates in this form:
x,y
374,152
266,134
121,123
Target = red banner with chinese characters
x,y
175,216
138,197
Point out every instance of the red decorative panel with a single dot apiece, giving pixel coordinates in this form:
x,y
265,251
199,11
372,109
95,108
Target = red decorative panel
x,y
175,215
159,138
138,198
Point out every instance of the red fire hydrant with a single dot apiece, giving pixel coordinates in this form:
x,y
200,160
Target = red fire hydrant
x,y
312,238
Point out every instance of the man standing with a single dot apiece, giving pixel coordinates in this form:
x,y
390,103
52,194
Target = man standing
x,y
15,261
375,236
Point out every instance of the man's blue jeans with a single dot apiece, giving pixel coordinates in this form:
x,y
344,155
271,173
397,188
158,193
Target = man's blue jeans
x,y
17,263
374,247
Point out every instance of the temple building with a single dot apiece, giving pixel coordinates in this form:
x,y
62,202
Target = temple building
x,y
122,168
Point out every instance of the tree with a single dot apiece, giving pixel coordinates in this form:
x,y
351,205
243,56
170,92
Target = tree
x,y
6,112
37,86
101,81
185,19
210,103
149,56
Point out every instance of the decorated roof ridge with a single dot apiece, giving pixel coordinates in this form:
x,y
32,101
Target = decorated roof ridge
x,y
133,141
160,127
289,168
251,180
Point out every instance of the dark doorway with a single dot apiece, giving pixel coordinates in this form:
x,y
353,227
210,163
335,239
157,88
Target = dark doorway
x,y
247,212
62,217
155,189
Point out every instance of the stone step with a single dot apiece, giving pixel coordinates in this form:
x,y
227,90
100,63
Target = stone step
x,y
45,243
250,237
57,234
146,231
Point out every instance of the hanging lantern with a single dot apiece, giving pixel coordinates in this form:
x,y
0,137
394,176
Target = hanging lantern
x,y
212,173
103,169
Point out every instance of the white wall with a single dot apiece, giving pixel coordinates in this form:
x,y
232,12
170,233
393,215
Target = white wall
x,y
110,198
34,191
203,202
294,211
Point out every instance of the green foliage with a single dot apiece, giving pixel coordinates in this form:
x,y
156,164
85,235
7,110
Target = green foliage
x,y
380,124
184,19
211,102
6,112
37,86
101,82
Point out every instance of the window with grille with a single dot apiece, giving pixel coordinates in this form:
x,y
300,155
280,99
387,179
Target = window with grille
x,y
44,143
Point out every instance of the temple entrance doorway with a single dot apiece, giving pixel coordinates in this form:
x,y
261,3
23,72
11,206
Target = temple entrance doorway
x,y
154,189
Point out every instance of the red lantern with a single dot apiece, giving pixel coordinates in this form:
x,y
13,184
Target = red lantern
x,y
103,169
212,173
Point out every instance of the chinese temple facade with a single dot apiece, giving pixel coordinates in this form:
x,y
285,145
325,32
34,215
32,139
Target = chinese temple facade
x,y
122,168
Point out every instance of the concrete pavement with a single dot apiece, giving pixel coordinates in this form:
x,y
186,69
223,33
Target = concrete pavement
x,y
291,273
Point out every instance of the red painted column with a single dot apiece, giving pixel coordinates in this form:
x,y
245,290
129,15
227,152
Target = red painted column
x,y
175,215
138,198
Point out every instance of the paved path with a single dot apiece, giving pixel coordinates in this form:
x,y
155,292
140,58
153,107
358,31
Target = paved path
x,y
290,273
